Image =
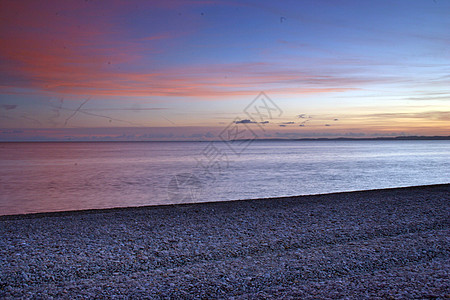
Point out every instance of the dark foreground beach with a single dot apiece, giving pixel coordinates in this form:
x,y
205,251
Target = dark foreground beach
x,y
386,244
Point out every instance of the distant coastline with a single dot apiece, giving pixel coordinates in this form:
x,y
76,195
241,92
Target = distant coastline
x,y
402,138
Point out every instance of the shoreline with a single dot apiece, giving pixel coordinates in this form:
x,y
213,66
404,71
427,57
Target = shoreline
x,y
377,244
179,205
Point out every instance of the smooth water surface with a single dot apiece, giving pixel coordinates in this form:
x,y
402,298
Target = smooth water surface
x,y
42,177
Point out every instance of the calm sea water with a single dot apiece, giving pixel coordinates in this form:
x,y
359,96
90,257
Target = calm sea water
x,y
42,177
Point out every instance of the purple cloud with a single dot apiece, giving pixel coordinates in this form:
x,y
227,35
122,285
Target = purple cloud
x,y
8,106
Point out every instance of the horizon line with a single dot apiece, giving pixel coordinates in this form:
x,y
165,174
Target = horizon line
x,y
386,138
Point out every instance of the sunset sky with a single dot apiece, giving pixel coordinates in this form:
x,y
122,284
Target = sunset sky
x,y
186,70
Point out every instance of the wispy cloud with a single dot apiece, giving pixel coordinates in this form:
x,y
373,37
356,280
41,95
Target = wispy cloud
x,y
430,115
430,97
135,109
8,106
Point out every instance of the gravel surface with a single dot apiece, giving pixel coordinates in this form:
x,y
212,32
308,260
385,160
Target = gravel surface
x,y
381,244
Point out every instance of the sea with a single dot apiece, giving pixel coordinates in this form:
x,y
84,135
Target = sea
x,y
63,176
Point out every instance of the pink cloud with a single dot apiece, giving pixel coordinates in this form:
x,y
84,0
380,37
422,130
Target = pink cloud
x,y
77,48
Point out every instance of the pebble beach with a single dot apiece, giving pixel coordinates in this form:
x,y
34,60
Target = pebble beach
x,y
378,244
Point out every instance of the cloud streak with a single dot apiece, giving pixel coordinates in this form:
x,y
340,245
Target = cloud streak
x,y
8,106
429,115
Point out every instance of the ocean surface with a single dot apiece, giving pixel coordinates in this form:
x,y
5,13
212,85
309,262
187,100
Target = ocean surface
x,y
44,177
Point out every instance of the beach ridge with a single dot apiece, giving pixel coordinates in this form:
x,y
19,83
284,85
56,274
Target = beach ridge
x,y
378,244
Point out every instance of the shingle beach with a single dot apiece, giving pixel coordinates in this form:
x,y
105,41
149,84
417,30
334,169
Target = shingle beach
x,y
380,244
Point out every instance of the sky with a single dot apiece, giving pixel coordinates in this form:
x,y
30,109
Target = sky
x,y
199,70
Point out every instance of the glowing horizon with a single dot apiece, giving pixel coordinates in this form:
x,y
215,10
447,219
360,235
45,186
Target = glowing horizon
x,y
175,70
